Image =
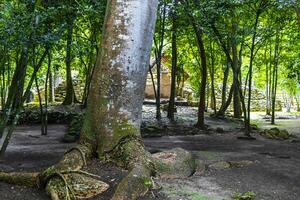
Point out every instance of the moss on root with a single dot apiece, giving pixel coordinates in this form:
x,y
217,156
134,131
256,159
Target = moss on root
x,y
66,180
74,185
130,154
20,178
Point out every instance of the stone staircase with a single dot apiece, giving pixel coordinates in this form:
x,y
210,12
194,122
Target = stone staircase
x,y
60,90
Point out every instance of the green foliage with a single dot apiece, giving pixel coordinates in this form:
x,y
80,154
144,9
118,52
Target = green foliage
x,y
244,196
34,26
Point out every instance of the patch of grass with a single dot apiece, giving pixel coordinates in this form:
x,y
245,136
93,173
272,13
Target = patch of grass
x,y
296,113
194,195
244,196
174,192
255,122
198,196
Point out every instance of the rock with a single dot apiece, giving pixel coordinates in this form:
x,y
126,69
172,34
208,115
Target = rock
x,y
219,165
174,163
295,141
287,117
230,164
241,163
75,126
275,133
200,168
219,130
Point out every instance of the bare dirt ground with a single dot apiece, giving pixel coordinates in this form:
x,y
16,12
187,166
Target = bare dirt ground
x,y
274,175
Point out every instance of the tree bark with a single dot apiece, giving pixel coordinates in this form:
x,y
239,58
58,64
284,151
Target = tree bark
x,y
70,97
275,75
253,44
51,87
297,9
224,89
236,97
201,107
213,103
267,84
158,56
171,108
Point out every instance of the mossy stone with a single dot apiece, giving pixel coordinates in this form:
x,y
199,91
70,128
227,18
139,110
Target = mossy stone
x,y
174,163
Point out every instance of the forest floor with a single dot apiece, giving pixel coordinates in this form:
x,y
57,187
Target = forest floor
x,y
273,175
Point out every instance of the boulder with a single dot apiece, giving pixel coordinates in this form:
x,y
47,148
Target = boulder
x,y
174,163
275,133
219,130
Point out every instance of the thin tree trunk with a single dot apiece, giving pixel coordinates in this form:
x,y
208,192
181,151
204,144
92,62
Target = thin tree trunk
x,y
212,77
46,94
158,55
275,76
15,89
252,49
297,9
41,107
70,97
51,87
171,108
90,66
224,107
201,108
270,80
267,83
224,85
236,95
153,82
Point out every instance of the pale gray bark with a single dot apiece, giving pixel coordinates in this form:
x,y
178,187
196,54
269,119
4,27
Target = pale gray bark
x,y
119,79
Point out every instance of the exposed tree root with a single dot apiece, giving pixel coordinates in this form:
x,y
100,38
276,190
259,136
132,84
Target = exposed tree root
x,y
20,178
66,180
130,154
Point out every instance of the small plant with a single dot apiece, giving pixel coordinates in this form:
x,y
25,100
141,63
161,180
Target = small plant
x,y
244,196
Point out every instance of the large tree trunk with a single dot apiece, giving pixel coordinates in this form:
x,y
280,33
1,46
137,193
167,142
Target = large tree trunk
x,y
114,112
117,87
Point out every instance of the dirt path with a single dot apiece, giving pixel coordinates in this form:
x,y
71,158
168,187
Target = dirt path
x,y
274,175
